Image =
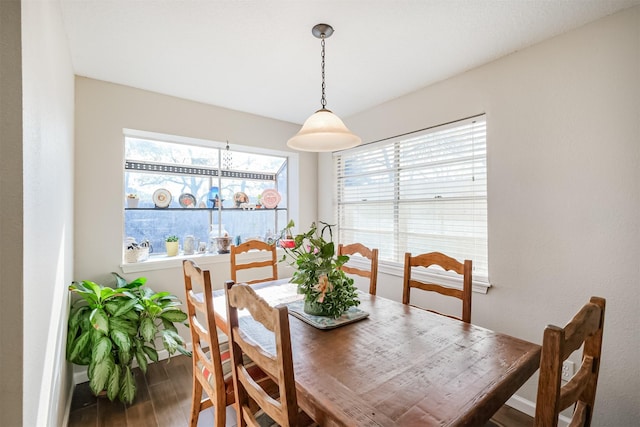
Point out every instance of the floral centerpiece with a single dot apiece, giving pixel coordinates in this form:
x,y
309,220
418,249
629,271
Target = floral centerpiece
x,y
327,289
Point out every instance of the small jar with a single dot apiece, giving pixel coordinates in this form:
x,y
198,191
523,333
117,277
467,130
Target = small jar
x,y
189,245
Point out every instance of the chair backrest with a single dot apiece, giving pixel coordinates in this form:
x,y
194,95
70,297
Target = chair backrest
x,y
258,245
278,365
370,254
447,263
557,345
207,358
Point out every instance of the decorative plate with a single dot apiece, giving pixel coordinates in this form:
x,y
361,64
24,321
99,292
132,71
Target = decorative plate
x,y
239,198
187,200
353,314
270,198
162,198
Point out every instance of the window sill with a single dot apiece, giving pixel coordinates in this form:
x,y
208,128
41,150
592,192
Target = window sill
x,y
167,262
163,262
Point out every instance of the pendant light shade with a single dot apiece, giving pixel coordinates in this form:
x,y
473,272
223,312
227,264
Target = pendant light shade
x,y
323,131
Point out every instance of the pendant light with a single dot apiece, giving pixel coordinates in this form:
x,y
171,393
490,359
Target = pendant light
x,y
323,131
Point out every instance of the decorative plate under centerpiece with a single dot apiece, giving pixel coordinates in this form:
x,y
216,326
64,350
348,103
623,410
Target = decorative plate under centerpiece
x,y
270,198
162,198
352,314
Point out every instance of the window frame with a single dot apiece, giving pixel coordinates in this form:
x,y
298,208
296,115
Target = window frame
x,y
207,258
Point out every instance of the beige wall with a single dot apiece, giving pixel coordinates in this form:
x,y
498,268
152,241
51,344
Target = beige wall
x,y
103,110
11,349
563,139
47,199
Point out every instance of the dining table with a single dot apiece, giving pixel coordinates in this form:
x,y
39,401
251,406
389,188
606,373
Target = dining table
x,y
398,366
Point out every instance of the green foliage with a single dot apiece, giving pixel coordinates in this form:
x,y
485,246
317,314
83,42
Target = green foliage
x,y
172,238
318,274
110,327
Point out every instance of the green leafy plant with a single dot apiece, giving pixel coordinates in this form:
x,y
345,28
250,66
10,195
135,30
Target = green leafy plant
x,y
172,238
318,271
110,327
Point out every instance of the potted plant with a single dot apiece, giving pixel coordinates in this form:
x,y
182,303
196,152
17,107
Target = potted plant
x,y
327,289
172,245
110,327
132,200
286,236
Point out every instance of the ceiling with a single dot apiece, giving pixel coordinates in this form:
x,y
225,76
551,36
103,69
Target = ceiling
x,y
259,56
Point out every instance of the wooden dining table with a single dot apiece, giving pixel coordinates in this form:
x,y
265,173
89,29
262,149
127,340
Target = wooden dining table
x,y
400,366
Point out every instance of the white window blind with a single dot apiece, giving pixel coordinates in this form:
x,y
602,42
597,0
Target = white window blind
x,y
421,192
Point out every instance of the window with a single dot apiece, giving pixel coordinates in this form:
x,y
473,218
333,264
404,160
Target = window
x,y
211,187
421,192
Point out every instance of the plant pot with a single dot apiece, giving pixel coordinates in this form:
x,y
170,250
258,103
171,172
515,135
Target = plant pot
x,y
314,308
287,243
132,203
172,248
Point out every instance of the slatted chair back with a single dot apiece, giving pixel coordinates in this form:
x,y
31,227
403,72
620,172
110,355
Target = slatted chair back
x,y
208,355
448,264
586,328
278,364
365,252
270,264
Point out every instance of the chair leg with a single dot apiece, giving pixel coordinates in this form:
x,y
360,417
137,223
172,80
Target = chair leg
x,y
196,396
219,415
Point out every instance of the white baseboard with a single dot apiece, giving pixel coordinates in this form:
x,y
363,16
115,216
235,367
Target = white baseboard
x,y
528,407
523,405
67,409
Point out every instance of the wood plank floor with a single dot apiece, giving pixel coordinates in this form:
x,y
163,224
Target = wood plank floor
x,y
164,399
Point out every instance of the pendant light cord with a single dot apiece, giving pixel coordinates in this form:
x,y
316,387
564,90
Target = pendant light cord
x,y
323,131
323,101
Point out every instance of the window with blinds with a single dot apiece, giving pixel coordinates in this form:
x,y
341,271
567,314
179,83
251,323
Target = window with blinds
x,y
420,192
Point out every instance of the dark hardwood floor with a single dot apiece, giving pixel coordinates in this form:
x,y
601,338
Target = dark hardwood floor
x,y
164,399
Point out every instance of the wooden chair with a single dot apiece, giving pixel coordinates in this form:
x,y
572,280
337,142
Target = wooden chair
x,y
370,254
557,345
447,263
254,245
211,360
281,407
